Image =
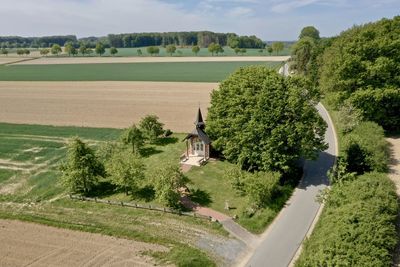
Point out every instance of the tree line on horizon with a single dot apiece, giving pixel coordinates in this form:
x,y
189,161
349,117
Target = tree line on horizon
x,y
128,40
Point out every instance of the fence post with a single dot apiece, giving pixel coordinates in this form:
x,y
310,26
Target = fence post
x,y
122,203
95,199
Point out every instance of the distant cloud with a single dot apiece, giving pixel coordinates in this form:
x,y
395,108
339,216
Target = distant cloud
x,y
240,12
287,6
268,19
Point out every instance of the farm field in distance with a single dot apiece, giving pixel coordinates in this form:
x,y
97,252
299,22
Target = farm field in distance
x,y
115,95
175,71
103,104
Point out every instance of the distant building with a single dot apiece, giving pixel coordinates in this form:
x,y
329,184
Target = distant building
x,y
197,143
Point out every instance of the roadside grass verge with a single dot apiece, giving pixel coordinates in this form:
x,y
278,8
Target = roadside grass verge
x,y
166,72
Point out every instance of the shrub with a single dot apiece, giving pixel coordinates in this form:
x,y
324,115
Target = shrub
x,y
365,149
381,106
357,226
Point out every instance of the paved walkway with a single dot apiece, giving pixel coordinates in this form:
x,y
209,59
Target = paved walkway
x,y
227,222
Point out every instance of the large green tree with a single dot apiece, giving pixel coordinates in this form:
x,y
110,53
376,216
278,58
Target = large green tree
x,y
100,49
167,181
55,49
264,121
195,49
309,31
366,58
82,169
278,47
302,55
133,136
126,170
151,127
68,48
170,49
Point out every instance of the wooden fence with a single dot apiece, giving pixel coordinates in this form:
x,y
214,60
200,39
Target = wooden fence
x,y
140,206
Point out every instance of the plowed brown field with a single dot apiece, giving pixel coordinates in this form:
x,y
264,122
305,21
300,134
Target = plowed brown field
x,y
103,104
28,244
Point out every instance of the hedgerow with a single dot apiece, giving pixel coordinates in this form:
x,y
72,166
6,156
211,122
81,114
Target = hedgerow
x,y
357,226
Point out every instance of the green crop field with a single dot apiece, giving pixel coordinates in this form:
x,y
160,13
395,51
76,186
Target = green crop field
x,y
176,71
187,52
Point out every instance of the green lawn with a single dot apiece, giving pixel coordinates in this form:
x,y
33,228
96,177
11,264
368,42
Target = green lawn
x,y
213,190
37,152
176,71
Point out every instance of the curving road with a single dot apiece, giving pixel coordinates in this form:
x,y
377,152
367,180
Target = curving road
x,y
283,238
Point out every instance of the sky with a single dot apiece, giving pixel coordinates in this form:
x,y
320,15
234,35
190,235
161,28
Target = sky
x,y
268,19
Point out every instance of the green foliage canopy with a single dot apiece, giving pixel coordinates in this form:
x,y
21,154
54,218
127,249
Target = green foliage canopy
x,y
366,56
310,32
126,170
170,49
357,226
151,127
167,180
100,49
133,136
82,169
113,51
55,49
263,121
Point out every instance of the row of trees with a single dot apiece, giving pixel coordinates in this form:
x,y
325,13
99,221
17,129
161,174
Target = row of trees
x,y
122,164
202,39
356,72
360,67
34,42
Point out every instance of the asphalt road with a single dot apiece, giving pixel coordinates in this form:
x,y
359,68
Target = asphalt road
x,y
285,235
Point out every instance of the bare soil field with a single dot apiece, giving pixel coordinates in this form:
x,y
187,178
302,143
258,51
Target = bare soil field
x,y
96,60
28,244
103,104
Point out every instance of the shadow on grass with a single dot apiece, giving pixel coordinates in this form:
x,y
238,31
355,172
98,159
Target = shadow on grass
x,y
201,197
165,141
146,193
103,189
148,151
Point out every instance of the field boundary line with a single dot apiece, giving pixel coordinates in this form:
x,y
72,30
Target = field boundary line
x,y
140,206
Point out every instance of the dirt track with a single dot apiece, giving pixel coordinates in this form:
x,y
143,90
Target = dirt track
x,y
103,104
94,60
10,59
28,244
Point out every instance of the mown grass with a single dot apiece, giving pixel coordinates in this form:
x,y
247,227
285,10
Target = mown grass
x,y
210,188
168,230
166,72
39,196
